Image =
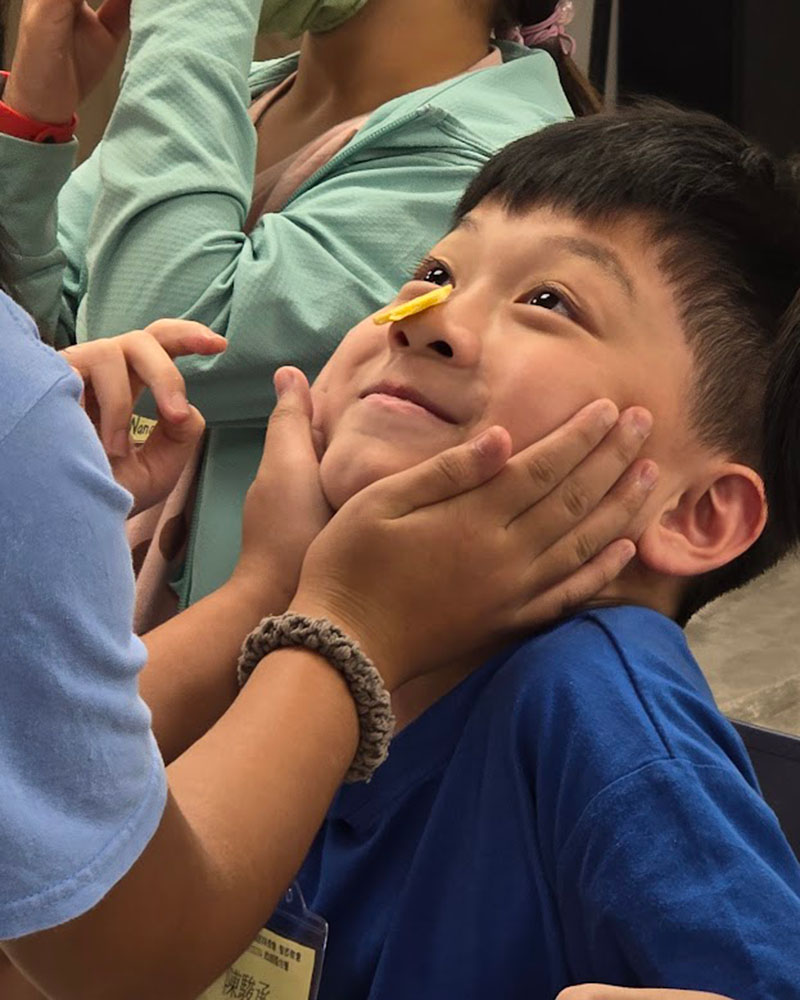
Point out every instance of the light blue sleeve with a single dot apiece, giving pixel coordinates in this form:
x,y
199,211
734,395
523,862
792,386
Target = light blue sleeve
x,y
83,784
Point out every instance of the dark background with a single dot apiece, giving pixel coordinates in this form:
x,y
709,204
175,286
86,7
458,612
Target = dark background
x,y
739,59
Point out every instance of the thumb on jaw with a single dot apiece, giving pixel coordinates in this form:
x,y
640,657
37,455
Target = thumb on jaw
x,y
292,389
289,429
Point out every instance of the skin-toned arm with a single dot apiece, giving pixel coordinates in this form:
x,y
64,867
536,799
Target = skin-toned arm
x,y
594,991
189,679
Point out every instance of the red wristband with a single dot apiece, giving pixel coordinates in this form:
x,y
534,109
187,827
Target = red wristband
x,y
19,127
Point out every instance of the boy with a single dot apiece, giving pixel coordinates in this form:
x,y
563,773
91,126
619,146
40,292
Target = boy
x,y
577,809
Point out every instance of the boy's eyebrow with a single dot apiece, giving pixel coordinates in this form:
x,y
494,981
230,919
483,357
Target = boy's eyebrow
x,y
581,247
466,222
598,254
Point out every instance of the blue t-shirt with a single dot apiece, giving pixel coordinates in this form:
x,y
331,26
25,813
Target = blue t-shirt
x,y
82,784
576,811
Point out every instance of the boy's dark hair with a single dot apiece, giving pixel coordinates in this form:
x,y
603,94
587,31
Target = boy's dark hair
x,y
726,216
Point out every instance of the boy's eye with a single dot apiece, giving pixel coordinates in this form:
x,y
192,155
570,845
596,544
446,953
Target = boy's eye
x,y
548,298
434,272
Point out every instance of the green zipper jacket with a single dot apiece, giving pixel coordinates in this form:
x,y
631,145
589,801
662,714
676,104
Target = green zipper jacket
x,y
151,225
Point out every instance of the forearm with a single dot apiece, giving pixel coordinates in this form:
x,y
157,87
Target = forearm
x,y
176,165
190,677
13,985
246,801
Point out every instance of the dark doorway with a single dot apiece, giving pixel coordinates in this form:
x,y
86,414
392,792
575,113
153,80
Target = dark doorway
x,y
735,58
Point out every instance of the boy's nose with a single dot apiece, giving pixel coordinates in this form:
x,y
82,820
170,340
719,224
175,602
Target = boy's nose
x,y
437,333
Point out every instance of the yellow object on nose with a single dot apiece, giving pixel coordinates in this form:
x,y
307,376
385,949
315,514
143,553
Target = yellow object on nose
x,y
414,306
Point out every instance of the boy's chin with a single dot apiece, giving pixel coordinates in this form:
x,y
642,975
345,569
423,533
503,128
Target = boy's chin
x,y
339,485
344,475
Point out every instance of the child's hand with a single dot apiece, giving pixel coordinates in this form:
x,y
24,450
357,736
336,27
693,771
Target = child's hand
x,y
285,507
64,49
471,548
592,991
115,371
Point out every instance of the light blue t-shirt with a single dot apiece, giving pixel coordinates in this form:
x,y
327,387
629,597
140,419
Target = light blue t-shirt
x,y
82,782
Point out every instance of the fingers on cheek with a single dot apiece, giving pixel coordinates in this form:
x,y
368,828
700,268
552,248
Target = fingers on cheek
x,y
634,496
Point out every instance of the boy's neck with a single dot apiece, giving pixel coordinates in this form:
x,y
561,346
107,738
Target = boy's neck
x,y
635,586
640,586
416,696
386,50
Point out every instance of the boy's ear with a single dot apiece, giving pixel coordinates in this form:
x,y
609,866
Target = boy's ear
x,y
709,525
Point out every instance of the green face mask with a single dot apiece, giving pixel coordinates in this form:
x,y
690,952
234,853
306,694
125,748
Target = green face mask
x,y
293,17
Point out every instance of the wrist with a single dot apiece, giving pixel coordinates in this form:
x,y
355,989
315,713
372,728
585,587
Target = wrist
x,y
20,121
356,628
323,638
320,688
258,591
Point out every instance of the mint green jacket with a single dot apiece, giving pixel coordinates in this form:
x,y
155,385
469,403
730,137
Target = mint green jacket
x,y
151,225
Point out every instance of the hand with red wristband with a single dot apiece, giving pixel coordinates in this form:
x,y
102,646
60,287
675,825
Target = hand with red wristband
x,y
64,49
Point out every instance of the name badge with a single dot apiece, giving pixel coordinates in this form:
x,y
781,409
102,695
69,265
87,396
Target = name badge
x,y
285,960
141,428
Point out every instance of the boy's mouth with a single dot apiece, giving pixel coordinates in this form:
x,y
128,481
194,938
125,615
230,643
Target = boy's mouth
x,y
410,395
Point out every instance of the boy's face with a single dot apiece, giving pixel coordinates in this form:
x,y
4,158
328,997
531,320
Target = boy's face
x,y
548,313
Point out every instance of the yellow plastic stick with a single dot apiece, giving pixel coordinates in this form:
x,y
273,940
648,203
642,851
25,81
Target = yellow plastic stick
x,y
417,305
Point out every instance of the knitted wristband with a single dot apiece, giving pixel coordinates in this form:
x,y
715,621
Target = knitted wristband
x,y
375,719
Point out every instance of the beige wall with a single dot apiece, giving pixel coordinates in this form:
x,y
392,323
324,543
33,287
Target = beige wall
x,y
581,30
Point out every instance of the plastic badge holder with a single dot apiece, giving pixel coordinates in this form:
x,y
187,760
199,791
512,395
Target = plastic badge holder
x,y
285,960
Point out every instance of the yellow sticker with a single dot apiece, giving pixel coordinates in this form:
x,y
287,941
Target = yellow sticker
x,y
272,968
422,302
141,428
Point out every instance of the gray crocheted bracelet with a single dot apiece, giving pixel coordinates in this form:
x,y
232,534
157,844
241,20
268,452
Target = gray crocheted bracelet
x,y
375,719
